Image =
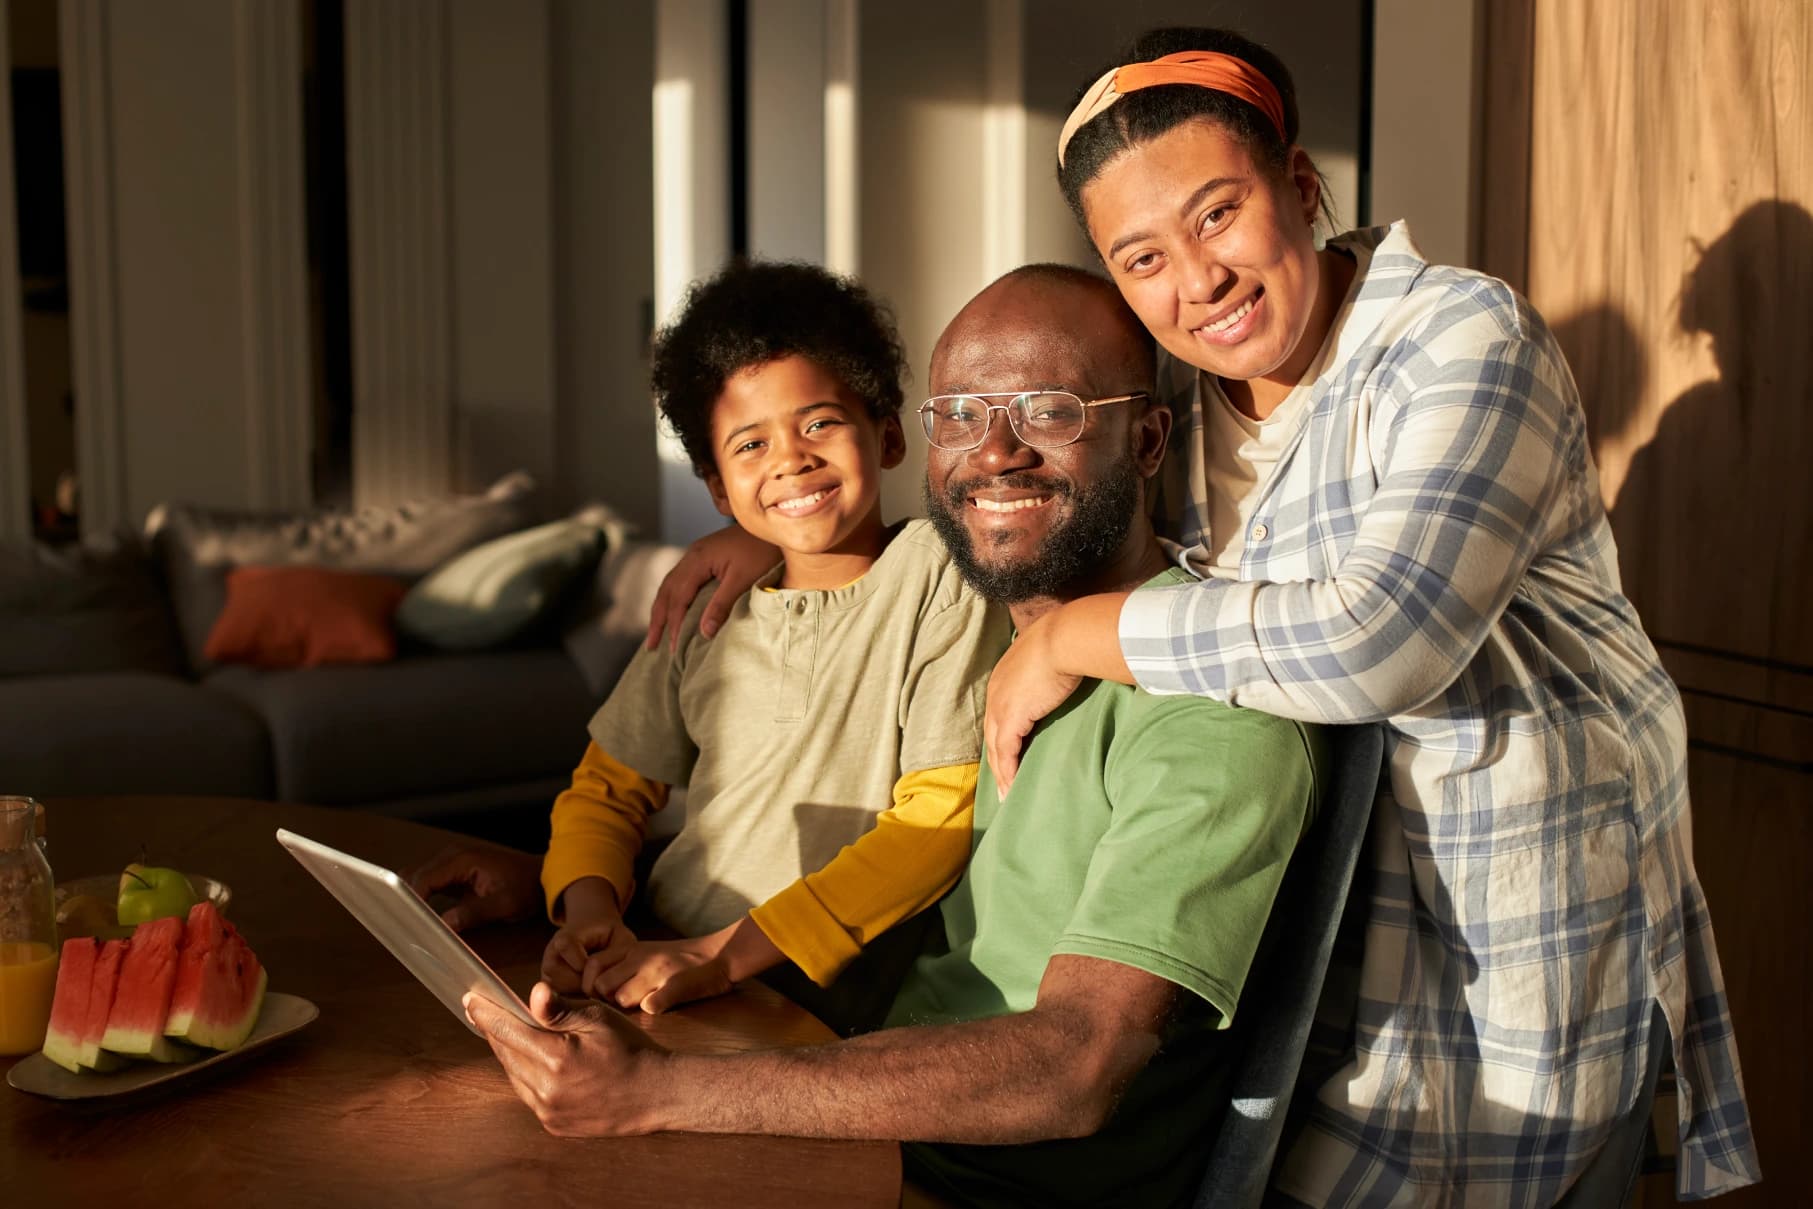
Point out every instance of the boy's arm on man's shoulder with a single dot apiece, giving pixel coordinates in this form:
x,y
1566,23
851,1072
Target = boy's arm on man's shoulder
x,y
906,862
1054,1071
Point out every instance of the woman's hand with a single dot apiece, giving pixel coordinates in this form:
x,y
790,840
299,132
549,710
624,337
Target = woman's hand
x,y
1026,685
730,556
1074,642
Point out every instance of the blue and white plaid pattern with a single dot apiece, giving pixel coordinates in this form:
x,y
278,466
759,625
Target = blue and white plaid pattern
x,y
1433,553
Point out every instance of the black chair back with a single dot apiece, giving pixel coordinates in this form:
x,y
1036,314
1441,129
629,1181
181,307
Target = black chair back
x,y
1279,1003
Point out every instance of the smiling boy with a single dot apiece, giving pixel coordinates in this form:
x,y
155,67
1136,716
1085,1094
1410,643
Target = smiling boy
x,y
829,734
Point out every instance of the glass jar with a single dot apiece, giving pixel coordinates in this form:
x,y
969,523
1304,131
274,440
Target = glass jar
x,y
28,928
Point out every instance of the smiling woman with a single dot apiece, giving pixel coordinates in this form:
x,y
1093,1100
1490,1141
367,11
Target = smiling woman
x,y
1379,467
1222,280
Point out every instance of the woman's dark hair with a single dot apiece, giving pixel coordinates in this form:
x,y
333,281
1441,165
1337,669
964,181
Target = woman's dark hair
x,y
1139,117
754,312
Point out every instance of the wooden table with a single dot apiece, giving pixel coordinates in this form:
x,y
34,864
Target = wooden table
x,y
387,1098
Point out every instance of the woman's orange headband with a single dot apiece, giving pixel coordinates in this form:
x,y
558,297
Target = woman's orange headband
x,y
1203,68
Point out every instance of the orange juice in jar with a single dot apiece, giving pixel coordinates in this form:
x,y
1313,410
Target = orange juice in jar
x,y
28,929
28,976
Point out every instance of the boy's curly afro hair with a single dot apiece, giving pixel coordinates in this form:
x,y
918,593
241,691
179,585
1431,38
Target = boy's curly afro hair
x,y
754,312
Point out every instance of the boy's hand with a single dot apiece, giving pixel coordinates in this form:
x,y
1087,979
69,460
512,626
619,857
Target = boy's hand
x,y
657,975
730,556
498,884
592,936
579,951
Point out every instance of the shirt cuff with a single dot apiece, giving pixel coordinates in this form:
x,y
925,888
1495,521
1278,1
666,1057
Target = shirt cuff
x,y
580,856
801,927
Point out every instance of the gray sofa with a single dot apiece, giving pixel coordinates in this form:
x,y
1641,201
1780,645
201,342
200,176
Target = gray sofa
x,y
104,690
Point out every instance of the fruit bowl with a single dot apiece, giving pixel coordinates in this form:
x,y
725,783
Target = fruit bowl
x,y
106,888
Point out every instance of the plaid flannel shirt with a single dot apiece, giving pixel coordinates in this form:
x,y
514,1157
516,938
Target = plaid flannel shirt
x,y
1432,553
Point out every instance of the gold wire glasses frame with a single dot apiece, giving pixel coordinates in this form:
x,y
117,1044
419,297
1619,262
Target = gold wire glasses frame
x,y
1045,419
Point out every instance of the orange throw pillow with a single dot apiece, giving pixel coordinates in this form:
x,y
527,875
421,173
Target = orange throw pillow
x,y
283,617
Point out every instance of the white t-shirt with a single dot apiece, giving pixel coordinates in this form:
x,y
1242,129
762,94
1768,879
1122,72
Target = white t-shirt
x,y
1242,454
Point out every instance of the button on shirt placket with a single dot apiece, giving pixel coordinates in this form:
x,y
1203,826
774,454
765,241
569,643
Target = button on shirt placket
x,y
801,618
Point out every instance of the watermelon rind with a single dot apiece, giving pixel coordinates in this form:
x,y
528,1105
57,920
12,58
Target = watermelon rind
x,y
106,1062
170,1051
69,1002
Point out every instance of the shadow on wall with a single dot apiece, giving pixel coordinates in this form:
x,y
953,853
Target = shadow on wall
x,y
1749,293
1610,367
1705,479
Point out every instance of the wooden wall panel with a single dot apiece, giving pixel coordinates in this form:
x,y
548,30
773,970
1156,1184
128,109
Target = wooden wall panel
x,y
1670,245
1501,224
1672,248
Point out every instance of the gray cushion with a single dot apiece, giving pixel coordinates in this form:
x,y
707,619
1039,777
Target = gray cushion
x,y
95,607
127,732
496,591
198,546
472,720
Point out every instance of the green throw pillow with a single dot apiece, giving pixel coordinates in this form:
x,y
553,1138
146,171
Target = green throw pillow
x,y
492,593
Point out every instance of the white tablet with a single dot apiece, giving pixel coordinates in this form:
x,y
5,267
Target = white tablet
x,y
407,926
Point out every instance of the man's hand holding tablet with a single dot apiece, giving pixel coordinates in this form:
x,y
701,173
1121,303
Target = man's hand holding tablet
x,y
581,1066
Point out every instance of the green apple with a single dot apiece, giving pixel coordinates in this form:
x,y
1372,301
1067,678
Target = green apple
x,y
147,893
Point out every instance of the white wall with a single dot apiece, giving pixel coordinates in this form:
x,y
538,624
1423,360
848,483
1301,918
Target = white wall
x,y
923,88
787,129
691,182
170,89
603,72
502,232
1424,126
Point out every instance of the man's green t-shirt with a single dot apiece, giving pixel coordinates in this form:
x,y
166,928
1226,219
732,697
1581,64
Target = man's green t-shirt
x,y
1151,831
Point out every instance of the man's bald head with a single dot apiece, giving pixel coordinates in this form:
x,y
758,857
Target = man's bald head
x,y
1049,302
1030,524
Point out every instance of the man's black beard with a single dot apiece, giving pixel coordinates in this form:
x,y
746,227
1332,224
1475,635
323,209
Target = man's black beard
x,y
1072,554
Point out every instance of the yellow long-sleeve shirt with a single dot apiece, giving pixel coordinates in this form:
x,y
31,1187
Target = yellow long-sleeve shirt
x,y
914,853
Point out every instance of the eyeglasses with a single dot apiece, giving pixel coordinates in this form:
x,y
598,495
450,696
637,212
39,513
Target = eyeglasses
x,y
1041,418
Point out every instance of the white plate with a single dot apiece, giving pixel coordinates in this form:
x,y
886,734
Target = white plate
x,y
280,1016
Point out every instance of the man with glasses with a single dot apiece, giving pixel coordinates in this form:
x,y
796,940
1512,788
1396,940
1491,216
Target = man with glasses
x,y
1098,943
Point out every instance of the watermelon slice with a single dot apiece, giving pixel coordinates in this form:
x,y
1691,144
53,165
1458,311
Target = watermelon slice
x,y
107,966
69,1004
141,1002
219,984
